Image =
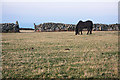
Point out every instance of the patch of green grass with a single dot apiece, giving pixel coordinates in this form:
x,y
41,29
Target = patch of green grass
x,y
110,53
5,43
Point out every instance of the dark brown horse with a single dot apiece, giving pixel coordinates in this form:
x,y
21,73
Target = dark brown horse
x,y
81,25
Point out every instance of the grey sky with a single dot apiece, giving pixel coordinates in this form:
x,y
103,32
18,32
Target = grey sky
x,y
28,13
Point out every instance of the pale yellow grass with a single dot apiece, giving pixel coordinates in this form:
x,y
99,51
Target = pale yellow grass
x,y
60,54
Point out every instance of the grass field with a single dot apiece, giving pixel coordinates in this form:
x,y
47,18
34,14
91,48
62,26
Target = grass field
x,y
60,55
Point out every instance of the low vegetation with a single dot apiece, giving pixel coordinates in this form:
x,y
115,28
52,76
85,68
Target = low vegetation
x,y
60,55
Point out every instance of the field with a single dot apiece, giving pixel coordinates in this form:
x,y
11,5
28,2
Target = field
x,y
60,55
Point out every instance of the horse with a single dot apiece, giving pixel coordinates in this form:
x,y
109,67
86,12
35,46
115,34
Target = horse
x,y
81,25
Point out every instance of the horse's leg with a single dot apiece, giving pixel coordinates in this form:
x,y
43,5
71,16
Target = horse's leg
x,y
75,33
78,32
81,32
88,32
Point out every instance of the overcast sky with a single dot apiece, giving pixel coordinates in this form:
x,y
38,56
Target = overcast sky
x,y
28,12
59,0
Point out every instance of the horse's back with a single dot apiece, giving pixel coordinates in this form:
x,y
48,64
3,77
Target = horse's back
x,y
89,23
86,24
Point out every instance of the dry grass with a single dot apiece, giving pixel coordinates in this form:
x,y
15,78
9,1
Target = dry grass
x,y
60,55
26,31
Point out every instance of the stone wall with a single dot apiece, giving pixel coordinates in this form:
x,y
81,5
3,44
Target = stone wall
x,y
105,27
47,27
54,27
9,27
